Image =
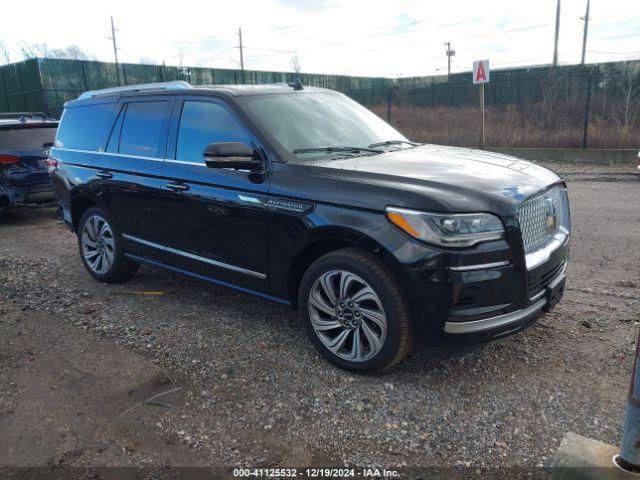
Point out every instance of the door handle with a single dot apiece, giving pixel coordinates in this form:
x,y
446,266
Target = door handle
x,y
178,187
104,175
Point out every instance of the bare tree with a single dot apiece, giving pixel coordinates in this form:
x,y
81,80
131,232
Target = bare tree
x,y
296,65
5,55
42,50
72,52
180,58
551,86
628,81
34,50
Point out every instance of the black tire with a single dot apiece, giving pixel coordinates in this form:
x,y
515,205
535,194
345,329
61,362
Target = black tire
x,y
119,269
399,335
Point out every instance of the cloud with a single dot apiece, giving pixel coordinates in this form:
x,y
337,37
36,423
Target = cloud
x,y
308,6
356,37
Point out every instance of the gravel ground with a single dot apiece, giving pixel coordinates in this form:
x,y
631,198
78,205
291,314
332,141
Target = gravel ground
x,y
251,391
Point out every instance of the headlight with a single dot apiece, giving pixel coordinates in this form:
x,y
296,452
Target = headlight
x,y
447,230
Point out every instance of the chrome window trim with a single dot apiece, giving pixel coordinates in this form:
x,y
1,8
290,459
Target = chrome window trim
x,y
139,157
185,162
194,257
110,154
480,266
494,322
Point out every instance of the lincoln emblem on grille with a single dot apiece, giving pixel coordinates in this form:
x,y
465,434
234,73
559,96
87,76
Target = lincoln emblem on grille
x,y
551,219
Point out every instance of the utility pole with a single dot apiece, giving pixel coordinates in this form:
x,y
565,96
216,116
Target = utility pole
x,y
555,43
450,53
241,57
115,49
586,110
584,35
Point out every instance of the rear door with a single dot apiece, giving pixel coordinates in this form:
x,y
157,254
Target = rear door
x,y
216,218
132,167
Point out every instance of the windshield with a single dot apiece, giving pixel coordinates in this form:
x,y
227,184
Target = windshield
x,y
27,137
316,120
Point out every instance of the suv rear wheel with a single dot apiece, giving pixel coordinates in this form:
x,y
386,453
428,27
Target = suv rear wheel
x,y
100,250
354,313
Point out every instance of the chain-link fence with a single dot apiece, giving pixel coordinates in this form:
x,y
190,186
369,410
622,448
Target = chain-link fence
x,y
45,84
595,106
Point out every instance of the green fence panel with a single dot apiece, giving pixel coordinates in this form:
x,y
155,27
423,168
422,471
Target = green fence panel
x,y
14,98
62,75
134,74
4,107
45,84
225,76
99,75
201,76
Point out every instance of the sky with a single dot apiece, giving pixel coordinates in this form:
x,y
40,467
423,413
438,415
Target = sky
x,y
393,38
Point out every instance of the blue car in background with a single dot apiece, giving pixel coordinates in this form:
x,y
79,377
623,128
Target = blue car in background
x,y
25,139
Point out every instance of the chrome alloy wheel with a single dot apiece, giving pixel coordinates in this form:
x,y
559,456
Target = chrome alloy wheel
x,y
97,244
347,315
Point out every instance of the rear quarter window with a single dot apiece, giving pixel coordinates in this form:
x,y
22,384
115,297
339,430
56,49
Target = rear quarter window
x,y
85,127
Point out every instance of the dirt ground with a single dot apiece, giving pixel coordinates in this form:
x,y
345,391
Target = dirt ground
x,y
239,384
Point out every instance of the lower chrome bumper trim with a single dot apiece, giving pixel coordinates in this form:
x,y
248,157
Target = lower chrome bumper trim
x,y
483,266
537,258
495,322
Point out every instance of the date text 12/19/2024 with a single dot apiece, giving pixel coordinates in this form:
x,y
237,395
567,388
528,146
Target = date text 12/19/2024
x,y
314,473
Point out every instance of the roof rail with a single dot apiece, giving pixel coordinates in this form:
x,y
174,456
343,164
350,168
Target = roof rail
x,y
177,85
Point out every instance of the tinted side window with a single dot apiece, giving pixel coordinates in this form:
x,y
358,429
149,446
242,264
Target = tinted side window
x,y
84,128
202,123
142,128
112,146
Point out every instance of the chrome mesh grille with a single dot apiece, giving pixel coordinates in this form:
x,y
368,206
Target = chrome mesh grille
x,y
533,215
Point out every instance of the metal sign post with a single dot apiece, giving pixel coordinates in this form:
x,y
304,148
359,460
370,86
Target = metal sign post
x,y
481,76
629,457
482,110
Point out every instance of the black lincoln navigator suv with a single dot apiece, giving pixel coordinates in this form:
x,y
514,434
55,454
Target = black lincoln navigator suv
x,y
302,196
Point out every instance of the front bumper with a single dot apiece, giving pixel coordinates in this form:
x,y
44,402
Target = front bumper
x,y
544,300
481,294
500,321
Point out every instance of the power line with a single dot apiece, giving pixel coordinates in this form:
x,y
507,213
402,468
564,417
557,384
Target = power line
x,y
618,36
522,29
614,53
277,50
398,30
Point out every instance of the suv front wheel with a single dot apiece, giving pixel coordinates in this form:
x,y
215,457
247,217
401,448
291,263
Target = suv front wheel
x,y
100,249
354,313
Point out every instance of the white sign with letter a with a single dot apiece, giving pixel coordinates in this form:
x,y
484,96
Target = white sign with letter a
x,y
481,71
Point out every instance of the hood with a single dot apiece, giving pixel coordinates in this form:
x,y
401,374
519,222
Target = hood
x,y
457,176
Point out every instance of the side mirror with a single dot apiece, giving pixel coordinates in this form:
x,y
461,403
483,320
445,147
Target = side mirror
x,y
236,155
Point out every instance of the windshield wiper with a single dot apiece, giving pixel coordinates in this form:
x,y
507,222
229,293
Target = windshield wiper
x,y
394,142
336,149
